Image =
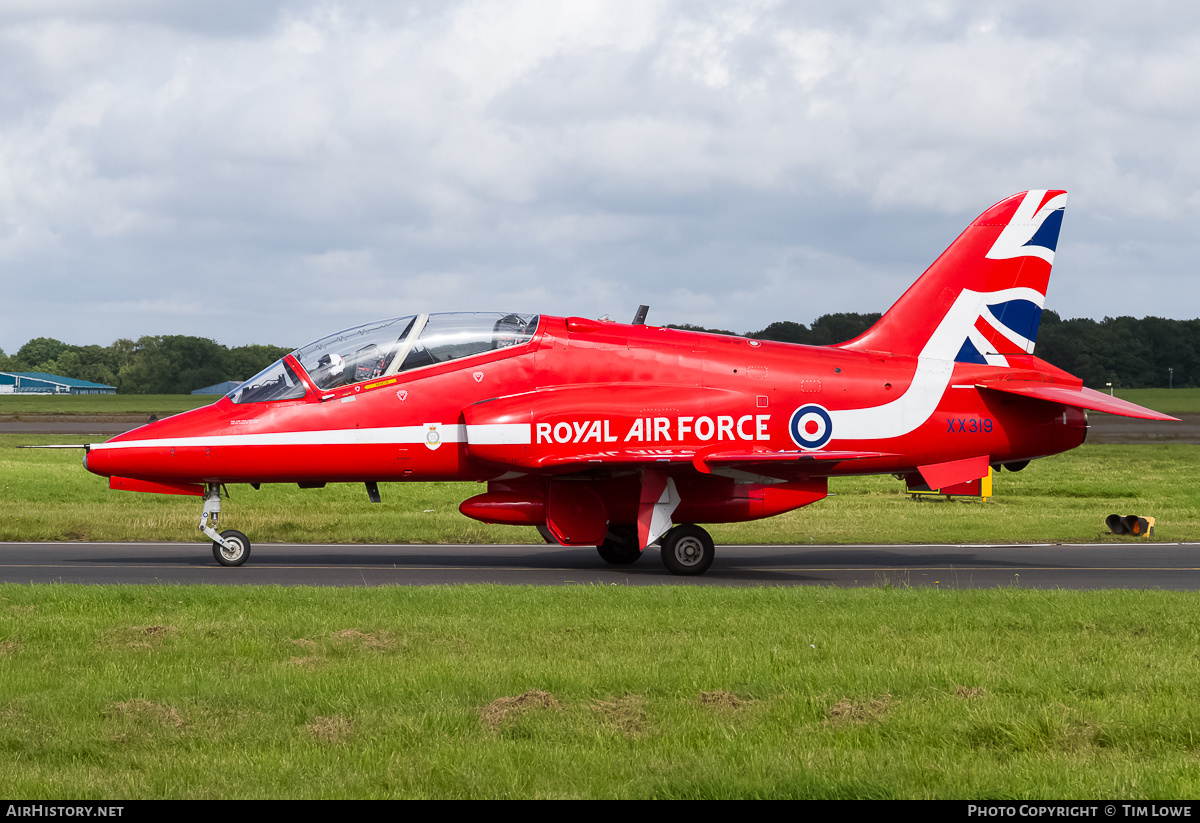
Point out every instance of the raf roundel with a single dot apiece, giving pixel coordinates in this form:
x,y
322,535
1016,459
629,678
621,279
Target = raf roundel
x,y
811,426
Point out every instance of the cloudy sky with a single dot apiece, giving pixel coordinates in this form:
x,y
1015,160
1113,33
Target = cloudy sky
x,y
269,172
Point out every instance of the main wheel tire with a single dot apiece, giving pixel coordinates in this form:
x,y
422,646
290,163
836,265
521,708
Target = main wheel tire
x,y
232,556
688,550
620,547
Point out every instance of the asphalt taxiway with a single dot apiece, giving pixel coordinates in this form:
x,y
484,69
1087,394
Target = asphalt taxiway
x,y
1129,565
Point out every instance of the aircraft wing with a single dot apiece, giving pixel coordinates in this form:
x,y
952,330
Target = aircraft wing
x,y
784,465
1080,397
704,460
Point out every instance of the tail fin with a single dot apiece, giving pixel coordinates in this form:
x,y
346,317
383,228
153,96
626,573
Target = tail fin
x,y
982,299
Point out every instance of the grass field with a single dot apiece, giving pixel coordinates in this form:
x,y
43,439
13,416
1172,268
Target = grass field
x,y
125,692
613,692
1168,401
102,404
606,692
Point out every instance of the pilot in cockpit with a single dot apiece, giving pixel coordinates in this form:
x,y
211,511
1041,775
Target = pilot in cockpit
x,y
368,363
508,331
330,371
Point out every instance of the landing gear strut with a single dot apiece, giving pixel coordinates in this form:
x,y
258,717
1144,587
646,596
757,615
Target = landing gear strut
x,y
230,547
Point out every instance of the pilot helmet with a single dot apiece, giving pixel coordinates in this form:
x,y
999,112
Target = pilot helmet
x,y
335,363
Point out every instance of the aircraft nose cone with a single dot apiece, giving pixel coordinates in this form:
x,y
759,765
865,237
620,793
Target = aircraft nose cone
x,y
148,451
100,461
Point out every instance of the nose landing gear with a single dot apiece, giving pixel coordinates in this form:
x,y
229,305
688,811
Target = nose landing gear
x,y
230,547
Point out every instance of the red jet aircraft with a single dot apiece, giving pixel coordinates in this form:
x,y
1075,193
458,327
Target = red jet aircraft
x,y
608,435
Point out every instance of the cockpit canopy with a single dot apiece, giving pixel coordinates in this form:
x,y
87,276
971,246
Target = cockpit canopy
x,y
387,347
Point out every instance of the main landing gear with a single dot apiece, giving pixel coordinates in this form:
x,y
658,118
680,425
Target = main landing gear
x,y
686,550
230,547
620,546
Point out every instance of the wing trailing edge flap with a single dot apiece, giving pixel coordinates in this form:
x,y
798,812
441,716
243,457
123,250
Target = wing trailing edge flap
x,y
762,462
774,463
1080,397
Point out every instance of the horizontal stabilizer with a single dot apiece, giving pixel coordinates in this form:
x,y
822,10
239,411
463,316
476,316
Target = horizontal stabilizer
x,y
1080,397
941,475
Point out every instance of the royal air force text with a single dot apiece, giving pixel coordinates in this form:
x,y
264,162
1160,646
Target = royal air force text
x,y
657,430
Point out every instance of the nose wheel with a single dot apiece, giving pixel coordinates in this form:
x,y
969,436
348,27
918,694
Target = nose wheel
x,y
233,550
230,547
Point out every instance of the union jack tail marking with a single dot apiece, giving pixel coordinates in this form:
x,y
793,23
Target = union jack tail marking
x,y
982,299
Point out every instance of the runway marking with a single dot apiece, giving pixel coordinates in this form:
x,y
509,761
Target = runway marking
x,y
1072,566
116,564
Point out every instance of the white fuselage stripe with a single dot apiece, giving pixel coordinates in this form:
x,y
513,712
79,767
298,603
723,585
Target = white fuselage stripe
x,y
935,366
500,434
489,434
904,414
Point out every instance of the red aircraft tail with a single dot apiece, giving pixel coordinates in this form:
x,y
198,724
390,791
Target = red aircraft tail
x,y
982,299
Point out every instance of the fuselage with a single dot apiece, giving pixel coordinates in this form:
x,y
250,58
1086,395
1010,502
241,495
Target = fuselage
x,y
620,436
582,395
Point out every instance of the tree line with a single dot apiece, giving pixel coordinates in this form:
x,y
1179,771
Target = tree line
x,y
166,364
1150,352
1129,352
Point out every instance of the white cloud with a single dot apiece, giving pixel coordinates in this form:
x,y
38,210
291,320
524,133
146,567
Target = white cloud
x,y
734,163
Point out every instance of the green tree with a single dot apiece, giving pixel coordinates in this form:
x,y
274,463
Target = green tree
x,y
243,362
1132,359
38,352
1174,344
690,327
172,364
784,331
829,329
